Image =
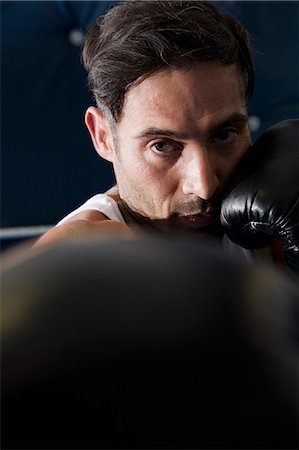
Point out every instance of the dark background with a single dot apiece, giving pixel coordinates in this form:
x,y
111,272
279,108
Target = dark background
x,y
48,164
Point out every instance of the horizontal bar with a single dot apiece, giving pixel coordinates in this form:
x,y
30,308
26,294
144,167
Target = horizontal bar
x,y
23,232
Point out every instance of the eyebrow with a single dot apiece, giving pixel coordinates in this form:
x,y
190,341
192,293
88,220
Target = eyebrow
x,y
233,119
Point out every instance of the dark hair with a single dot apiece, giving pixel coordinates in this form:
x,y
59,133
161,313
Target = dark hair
x,y
138,38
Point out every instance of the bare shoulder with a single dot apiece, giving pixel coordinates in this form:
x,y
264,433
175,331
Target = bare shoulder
x,y
84,223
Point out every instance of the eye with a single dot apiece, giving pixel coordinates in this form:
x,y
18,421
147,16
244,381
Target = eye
x,y
165,147
225,136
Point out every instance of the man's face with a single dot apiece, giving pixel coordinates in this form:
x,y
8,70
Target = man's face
x,y
180,135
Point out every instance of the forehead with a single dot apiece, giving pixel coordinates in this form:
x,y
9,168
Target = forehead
x,y
205,92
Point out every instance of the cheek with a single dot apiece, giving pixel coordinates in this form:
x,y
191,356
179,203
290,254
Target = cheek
x,y
137,178
160,185
241,147
146,177
229,164
244,147
128,168
154,174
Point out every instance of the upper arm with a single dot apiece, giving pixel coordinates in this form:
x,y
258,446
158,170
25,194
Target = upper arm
x,y
84,224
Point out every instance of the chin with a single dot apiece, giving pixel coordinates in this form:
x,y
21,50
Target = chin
x,y
211,231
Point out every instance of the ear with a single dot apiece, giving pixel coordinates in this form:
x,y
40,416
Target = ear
x,y
100,132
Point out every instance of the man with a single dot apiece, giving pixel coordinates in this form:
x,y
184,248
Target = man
x,y
171,81
170,116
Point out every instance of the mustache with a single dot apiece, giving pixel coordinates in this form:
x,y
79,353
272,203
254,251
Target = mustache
x,y
198,206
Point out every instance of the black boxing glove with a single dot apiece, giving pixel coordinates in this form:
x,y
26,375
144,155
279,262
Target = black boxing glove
x,y
262,204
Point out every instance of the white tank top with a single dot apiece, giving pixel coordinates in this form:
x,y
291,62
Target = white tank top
x,y
101,203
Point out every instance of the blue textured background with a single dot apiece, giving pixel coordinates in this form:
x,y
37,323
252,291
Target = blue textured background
x,y
48,164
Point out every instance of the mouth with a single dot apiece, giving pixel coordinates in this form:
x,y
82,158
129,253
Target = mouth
x,y
196,221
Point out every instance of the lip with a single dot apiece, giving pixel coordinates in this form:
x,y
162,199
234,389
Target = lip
x,y
198,220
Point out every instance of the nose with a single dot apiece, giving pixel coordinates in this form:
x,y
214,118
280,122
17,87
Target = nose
x,y
201,174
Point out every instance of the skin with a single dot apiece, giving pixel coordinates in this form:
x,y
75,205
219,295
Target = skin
x,y
180,136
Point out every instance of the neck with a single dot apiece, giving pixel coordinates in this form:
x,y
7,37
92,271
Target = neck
x,y
169,226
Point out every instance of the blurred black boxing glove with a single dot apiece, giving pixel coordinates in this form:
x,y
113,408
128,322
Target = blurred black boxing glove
x,y
262,203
